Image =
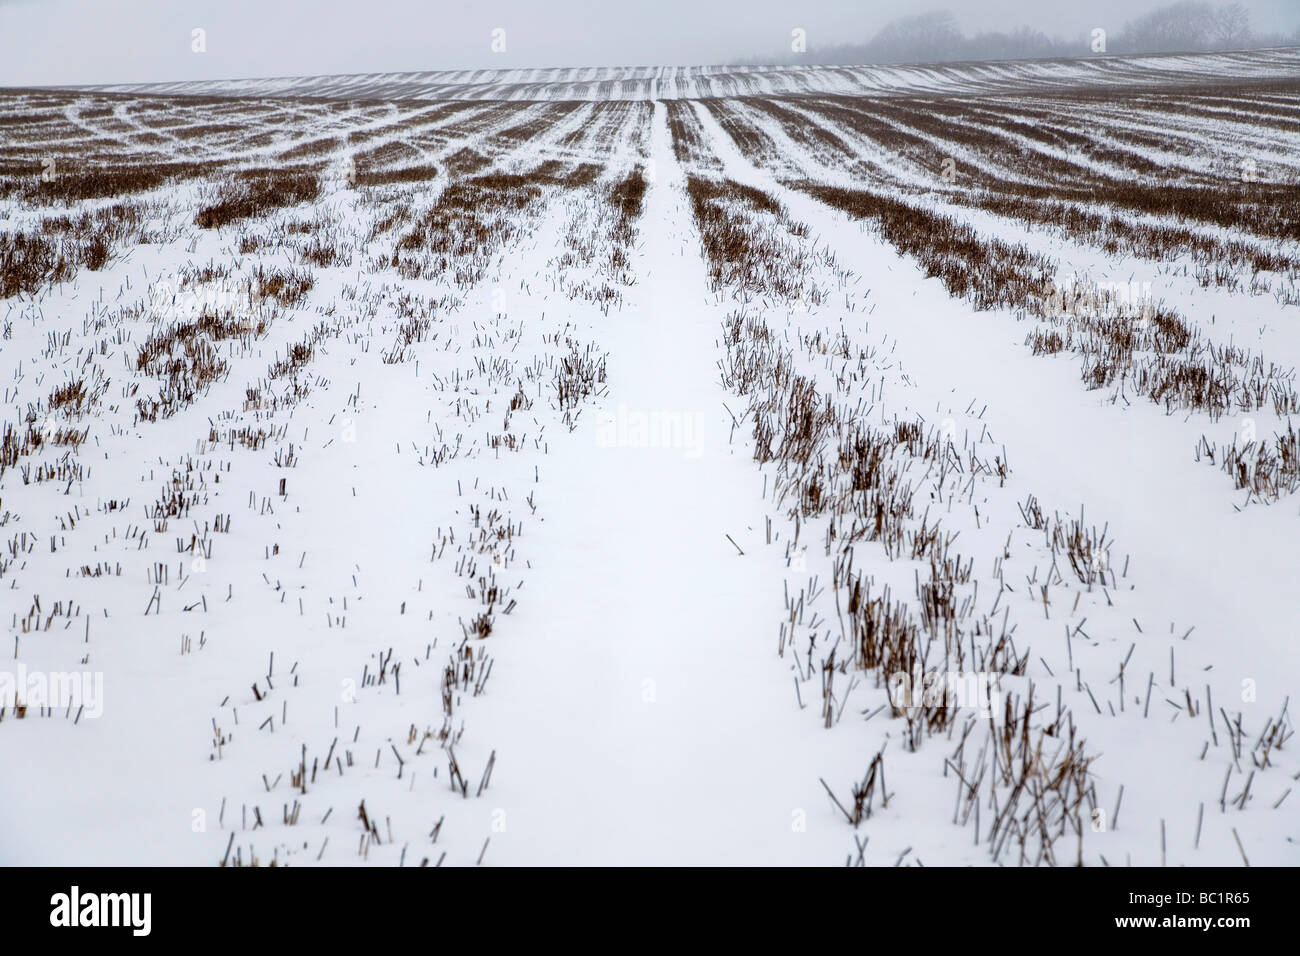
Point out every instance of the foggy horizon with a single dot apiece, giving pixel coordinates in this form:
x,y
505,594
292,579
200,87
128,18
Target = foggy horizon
x,y
73,42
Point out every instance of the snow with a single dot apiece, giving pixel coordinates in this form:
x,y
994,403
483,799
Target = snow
x,y
703,82
648,698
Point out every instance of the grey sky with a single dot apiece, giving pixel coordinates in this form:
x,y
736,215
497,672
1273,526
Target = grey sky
x,y
101,41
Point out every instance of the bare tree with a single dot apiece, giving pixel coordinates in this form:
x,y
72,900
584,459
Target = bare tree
x,y
1231,27
1184,26
919,38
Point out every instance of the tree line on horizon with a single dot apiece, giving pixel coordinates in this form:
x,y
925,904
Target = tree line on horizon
x,y
1187,26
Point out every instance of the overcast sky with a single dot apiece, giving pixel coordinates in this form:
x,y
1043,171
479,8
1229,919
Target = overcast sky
x,y
103,41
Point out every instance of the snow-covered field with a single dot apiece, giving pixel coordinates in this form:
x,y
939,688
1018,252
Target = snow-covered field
x,y
698,82
654,467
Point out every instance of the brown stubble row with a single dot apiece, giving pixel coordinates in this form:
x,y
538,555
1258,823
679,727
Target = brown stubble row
x,y
91,166
186,357
182,358
689,144
99,179
827,462
252,193
35,258
599,235
1149,351
754,261
1262,209
575,372
1156,214
474,217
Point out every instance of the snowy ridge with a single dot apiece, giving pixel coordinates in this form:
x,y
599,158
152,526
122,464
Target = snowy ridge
x,y
698,82
556,481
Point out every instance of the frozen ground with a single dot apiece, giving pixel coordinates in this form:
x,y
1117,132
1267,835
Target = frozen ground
x,y
639,83
519,482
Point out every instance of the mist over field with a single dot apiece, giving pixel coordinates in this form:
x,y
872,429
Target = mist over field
x,y
54,42
516,435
